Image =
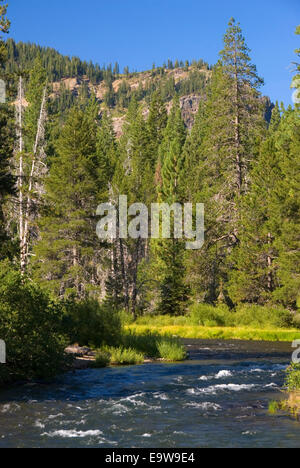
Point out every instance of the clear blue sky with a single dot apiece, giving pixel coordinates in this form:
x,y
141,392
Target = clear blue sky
x,y
140,32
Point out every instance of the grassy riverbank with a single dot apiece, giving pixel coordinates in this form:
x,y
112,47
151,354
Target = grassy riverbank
x,y
136,348
203,321
218,333
292,386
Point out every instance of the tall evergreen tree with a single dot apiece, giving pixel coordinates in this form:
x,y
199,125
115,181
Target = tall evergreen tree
x,y
133,177
68,228
4,28
194,157
234,124
254,276
168,255
157,122
288,244
7,135
296,81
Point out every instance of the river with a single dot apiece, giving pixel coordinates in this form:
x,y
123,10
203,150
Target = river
x,y
219,398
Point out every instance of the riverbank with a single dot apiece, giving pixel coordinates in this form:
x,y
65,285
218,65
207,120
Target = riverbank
x,y
292,404
218,333
292,384
133,349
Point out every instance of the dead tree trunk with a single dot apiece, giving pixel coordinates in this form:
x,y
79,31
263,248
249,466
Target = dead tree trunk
x,y
19,126
36,151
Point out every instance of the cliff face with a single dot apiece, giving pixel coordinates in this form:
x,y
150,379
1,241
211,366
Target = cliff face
x,y
190,107
184,81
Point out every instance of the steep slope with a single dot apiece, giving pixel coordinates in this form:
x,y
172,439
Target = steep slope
x,y
71,78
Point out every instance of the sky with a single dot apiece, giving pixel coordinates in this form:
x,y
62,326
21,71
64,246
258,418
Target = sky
x,y
139,33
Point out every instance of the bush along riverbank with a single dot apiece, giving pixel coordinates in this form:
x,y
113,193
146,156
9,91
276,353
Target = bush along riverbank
x,y
138,349
292,388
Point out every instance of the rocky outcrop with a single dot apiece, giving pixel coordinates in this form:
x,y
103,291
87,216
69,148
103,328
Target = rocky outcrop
x,y
77,351
189,107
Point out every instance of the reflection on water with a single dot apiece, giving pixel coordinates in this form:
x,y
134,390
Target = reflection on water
x,y
218,399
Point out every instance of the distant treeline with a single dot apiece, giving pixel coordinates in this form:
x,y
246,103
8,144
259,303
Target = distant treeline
x,y
21,56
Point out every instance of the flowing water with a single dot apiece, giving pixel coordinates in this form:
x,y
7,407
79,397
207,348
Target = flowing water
x,y
219,398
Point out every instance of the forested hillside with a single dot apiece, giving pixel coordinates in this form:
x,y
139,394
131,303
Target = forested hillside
x,y
185,133
113,89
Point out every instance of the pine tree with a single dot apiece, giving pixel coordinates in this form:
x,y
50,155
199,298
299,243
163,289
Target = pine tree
x,y
156,123
4,28
175,133
133,177
288,243
107,159
7,135
194,157
68,239
168,255
107,152
296,80
254,277
234,124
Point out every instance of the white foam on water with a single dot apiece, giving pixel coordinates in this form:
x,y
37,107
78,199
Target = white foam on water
x,y
73,434
161,396
39,424
206,406
55,416
194,391
215,388
147,436
272,385
10,408
133,400
6,408
119,409
105,441
223,374
235,387
81,423
138,403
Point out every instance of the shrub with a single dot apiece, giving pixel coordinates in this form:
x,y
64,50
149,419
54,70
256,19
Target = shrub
x,y
145,343
274,407
293,378
30,324
125,356
126,318
209,316
155,346
171,350
90,324
296,321
102,359
262,317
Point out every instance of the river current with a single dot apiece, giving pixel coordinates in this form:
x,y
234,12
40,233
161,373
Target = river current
x,y
219,398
